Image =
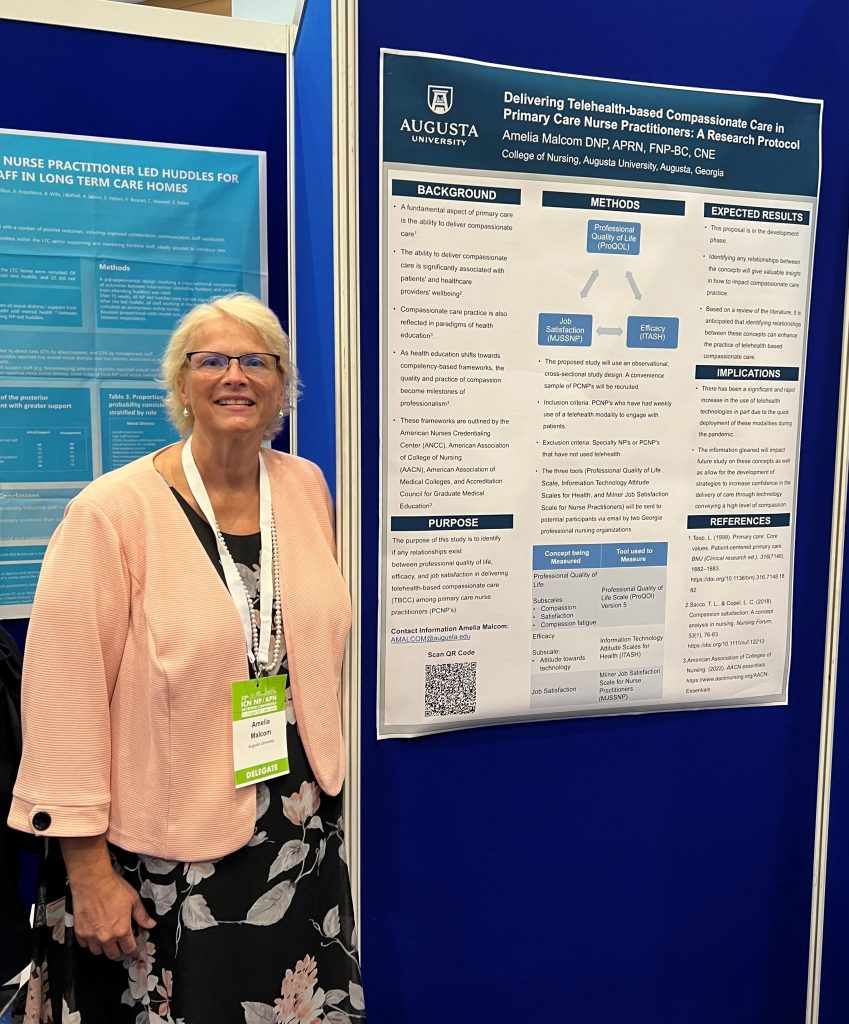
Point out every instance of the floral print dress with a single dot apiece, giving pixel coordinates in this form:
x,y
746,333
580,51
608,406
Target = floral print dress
x,y
265,935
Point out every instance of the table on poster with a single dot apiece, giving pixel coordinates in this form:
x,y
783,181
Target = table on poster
x,y
594,315
104,244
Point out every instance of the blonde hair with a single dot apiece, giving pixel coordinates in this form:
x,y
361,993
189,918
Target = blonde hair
x,y
247,310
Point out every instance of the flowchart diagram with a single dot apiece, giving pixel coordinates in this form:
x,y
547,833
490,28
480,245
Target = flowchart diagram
x,y
612,239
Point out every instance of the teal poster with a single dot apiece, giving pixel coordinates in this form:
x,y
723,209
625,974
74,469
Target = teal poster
x,y
104,245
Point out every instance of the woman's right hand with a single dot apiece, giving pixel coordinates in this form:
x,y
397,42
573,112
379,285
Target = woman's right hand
x,y
105,905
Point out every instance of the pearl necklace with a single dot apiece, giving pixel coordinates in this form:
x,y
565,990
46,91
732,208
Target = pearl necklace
x,y
263,667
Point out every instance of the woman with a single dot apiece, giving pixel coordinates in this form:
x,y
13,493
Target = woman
x,y
177,587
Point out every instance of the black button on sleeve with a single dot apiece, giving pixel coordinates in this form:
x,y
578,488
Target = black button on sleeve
x,y
41,821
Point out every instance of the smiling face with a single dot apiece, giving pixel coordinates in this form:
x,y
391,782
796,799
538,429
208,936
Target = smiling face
x,y
230,404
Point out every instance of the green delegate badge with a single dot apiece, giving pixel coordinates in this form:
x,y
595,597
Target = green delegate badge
x,y
259,730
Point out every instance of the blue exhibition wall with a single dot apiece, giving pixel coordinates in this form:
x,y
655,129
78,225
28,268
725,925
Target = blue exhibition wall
x,y
131,87
313,188
835,978
650,869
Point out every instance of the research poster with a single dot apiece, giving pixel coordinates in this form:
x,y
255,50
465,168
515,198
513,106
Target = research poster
x,y
104,244
594,305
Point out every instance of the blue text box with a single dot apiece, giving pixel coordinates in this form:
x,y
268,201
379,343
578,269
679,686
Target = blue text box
x,y
175,205
106,354
613,237
459,522
615,204
22,552
565,329
491,98
29,516
652,332
57,271
776,214
45,434
457,192
633,556
562,557
153,297
133,422
752,373
738,521
40,306
18,583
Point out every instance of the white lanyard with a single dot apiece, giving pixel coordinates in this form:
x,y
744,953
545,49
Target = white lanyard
x,y
261,658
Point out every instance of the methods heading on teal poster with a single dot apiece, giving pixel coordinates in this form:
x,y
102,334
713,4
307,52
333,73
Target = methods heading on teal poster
x,y
459,113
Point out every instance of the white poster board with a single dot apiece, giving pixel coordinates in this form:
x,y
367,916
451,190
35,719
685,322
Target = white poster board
x,y
594,312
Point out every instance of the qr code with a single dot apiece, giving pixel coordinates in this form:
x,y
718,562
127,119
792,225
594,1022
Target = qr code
x,y
451,688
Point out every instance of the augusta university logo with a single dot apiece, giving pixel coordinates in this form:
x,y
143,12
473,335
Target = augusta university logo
x,y
440,98
436,131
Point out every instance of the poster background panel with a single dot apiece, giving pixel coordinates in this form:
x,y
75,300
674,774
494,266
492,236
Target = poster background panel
x,y
653,868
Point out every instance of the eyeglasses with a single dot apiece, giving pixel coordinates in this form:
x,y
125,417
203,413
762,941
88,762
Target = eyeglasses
x,y
255,364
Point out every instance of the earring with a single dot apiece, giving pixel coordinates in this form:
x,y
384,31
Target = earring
x,y
186,411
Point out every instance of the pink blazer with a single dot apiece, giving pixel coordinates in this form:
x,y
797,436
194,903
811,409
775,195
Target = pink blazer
x,y
133,645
